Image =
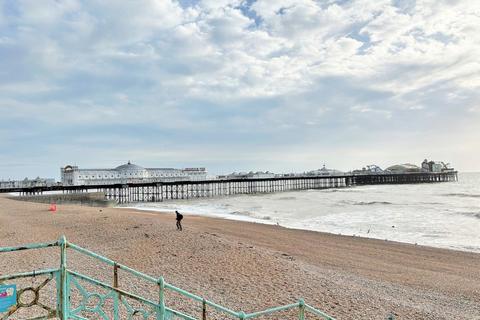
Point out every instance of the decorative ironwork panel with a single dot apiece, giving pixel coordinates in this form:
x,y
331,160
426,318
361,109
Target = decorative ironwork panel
x,y
105,303
32,301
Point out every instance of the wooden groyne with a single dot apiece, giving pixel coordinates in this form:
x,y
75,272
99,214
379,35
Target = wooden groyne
x,y
158,192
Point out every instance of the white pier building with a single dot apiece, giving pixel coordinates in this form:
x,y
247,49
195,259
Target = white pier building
x,y
128,173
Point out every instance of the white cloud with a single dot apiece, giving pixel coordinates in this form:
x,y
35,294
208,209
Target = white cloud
x,y
295,42
281,66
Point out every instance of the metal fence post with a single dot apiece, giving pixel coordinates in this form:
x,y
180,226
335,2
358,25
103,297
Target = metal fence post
x,y
301,306
161,297
64,295
204,309
241,315
118,297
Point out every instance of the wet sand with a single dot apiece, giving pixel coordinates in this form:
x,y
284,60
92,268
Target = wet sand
x,y
251,266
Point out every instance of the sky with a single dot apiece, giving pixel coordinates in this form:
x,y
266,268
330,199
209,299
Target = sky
x,y
238,85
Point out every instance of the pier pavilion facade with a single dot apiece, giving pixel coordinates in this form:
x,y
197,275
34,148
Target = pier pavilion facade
x,y
128,173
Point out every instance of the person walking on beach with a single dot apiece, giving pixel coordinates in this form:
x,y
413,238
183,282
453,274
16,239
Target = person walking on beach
x,y
179,220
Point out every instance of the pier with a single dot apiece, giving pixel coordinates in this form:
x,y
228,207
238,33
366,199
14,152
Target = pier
x,y
406,178
159,192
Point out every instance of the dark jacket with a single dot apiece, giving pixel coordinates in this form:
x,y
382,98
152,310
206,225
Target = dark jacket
x,y
179,216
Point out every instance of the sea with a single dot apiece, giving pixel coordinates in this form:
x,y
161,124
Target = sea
x,y
444,215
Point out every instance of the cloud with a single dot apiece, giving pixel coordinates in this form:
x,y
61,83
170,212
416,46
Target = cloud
x,y
256,75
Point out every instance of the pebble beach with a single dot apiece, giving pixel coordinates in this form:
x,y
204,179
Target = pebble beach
x,y
250,267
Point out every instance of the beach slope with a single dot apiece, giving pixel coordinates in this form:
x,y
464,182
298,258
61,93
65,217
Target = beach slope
x,y
252,266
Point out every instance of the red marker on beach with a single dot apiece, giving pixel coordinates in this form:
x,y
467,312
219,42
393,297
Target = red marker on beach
x,y
53,207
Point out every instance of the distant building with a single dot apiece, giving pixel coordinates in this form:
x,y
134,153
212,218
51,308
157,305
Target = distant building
x,y
27,183
248,175
325,172
370,169
404,168
128,173
435,166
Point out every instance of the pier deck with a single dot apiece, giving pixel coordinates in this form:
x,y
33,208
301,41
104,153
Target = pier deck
x,y
161,191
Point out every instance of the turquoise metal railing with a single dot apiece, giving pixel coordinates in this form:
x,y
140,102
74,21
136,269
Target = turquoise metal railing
x,y
67,280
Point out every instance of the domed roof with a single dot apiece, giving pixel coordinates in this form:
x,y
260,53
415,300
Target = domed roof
x,y
129,167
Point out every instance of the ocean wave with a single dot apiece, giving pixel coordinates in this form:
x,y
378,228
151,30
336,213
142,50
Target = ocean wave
x,y
250,214
431,236
469,248
464,195
470,214
369,203
338,190
241,213
364,203
287,198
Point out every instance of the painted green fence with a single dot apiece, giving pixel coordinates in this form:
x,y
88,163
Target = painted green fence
x,y
67,280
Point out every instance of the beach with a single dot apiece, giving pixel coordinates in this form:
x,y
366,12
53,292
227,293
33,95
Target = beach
x,y
249,266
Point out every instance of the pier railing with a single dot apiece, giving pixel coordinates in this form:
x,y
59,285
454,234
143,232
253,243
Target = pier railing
x,y
98,300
